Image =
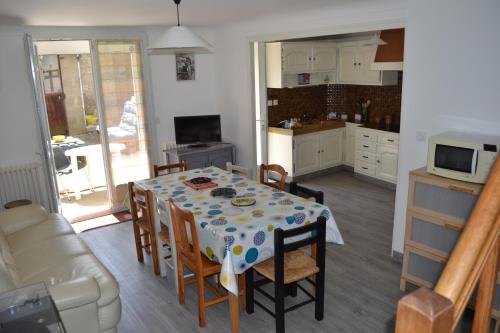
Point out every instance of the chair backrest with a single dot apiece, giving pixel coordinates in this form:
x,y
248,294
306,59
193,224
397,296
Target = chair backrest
x,y
60,159
180,218
238,169
307,193
270,169
159,170
140,202
316,238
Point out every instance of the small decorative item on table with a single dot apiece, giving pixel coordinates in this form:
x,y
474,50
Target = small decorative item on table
x,y
226,192
200,183
243,201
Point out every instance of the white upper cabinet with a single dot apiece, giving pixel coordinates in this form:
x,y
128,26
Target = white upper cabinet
x,y
286,61
355,67
324,57
296,58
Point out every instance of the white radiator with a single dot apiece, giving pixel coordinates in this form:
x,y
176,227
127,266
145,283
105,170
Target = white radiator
x,y
22,182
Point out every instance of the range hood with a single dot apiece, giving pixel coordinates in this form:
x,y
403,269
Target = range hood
x,y
389,56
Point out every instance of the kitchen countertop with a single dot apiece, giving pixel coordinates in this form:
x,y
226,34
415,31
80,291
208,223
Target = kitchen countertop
x,y
324,125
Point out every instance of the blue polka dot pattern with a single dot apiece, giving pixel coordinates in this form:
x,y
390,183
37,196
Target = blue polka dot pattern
x,y
278,195
177,193
188,205
229,240
214,212
231,229
299,218
219,221
259,238
203,225
299,207
214,206
325,213
290,219
251,255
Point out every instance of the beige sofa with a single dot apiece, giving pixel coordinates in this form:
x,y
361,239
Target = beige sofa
x,y
36,246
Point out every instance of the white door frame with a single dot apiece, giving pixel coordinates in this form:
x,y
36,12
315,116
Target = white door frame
x,y
259,101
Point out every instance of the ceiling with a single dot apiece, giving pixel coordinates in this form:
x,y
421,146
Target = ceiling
x,y
147,12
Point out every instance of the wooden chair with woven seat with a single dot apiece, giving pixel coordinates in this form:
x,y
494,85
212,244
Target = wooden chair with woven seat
x,y
141,207
160,170
306,192
189,255
289,266
266,170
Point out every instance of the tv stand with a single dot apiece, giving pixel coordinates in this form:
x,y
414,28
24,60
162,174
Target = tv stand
x,y
199,145
216,154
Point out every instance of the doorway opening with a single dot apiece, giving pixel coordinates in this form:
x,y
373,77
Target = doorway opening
x,y
94,101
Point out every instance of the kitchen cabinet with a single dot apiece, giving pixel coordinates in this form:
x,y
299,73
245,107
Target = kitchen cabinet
x,y
307,153
285,61
376,154
349,144
355,67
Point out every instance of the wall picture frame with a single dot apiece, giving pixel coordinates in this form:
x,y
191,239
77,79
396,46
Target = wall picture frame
x,y
185,66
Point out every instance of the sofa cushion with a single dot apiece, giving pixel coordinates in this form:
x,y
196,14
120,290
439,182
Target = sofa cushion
x,y
18,218
55,225
76,267
6,280
48,255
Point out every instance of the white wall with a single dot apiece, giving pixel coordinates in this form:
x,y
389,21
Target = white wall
x,y
233,65
451,80
181,98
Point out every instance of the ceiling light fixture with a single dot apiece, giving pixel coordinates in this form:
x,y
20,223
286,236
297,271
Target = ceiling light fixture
x,y
179,39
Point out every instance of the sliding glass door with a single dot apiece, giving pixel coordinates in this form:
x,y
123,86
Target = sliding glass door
x,y
123,120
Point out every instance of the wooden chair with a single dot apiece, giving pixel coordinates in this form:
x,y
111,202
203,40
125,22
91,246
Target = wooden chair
x,y
189,255
307,193
238,169
159,170
141,207
273,168
289,266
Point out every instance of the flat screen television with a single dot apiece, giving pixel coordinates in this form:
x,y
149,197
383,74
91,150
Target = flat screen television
x,y
196,130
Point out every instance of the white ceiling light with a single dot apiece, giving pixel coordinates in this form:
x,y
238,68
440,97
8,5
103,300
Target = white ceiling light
x,y
179,39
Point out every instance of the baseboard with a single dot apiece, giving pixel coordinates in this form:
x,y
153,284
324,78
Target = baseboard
x,y
397,256
375,181
318,173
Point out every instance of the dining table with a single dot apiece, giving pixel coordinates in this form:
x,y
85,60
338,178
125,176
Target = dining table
x,y
236,237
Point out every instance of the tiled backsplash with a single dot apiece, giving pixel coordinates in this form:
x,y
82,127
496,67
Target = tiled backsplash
x,y
316,101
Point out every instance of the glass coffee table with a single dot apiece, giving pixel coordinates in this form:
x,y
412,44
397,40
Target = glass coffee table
x,y
29,309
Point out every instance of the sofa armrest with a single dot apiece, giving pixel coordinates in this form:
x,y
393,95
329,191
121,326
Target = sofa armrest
x,y
19,218
75,293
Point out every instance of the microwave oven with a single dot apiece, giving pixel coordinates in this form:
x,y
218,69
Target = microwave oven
x,y
463,156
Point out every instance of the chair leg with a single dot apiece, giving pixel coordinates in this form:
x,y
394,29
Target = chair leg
x,y
319,295
154,254
243,291
249,290
279,303
147,240
292,289
180,280
201,300
138,242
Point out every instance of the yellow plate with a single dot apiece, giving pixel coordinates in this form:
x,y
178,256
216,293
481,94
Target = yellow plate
x,y
243,202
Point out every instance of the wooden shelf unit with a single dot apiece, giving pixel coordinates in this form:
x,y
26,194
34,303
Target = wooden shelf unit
x,y
438,209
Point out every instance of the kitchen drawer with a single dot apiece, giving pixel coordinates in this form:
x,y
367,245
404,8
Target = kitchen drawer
x,y
366,157
365,135
366,146
365,168
432,234
388,140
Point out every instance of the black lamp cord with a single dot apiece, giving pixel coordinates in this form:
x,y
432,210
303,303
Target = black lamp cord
x,y
177,2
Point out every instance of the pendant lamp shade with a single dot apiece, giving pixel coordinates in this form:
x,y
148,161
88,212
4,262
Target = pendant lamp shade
x,y
179,39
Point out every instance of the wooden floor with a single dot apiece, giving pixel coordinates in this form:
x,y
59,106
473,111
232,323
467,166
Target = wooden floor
x,y
362,281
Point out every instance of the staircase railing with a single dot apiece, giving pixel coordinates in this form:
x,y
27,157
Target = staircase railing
x,y
473,262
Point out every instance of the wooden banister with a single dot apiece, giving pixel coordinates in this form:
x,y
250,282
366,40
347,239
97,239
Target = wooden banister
x,y
474,259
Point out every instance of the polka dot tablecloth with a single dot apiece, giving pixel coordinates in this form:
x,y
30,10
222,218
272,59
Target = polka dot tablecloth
x,y
238,237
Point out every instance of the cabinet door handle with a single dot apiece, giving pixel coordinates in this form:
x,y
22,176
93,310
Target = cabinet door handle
x,y
322,150
354,64
461,189
365,156
378,161
366,136
390,140
366,146
359,64
364,168
319,151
